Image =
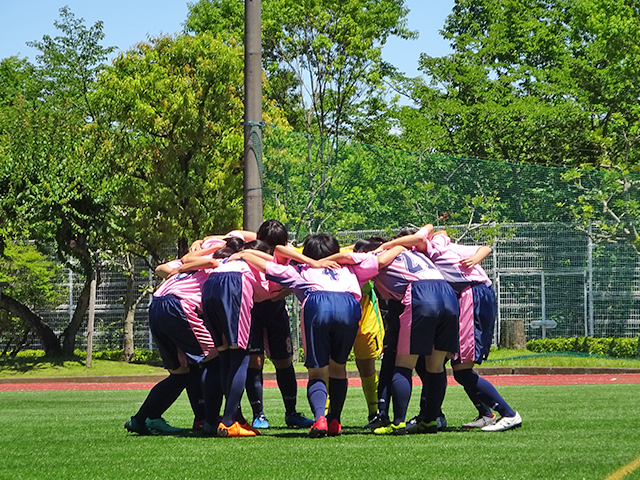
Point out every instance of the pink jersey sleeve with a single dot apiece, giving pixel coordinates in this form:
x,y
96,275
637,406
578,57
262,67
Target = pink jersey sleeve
x,y
366,266
212,242
424,233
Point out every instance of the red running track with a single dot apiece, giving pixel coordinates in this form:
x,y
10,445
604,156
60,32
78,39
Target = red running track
x,y
582,379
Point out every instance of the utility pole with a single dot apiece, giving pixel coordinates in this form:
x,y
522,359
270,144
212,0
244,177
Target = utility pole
x,y
252,115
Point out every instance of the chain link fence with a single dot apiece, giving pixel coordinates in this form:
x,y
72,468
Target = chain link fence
x,y
549,277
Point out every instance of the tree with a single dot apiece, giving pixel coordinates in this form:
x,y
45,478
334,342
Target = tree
x,y
33,283
323,62
56,188
547,83
175,107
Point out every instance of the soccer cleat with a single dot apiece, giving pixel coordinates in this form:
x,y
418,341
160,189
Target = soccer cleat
x,y
160,425
424,427
297,420
392,429
442,422
235,430
319,428
246,426
481,421
414,421
198,425
380,420
133,426
505,423
260,421
209,430
334,428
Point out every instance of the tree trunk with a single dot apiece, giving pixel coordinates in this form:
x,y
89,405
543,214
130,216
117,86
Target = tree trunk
x,y
129,314
47,336
69,334
512,335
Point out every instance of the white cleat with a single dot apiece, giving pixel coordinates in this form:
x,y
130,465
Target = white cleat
x,y
505,423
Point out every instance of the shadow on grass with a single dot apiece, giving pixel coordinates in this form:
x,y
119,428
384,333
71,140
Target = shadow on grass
x,y
23,364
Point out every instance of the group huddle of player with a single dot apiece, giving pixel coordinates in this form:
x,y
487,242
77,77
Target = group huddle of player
x,y
222,307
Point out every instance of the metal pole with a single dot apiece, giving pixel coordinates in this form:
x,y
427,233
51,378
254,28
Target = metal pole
x,y
544,307
252,115
590,280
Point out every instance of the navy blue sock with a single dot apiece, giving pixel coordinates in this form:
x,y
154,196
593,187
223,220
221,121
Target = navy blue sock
x,y
469,381
212,389
254,390
288,386
237,378
337,393
195,393
161,397
384,382
421,370
436,389
317,396
225,365
401,393
485,393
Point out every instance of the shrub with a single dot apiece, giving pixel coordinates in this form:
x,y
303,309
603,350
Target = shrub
x,y
609,347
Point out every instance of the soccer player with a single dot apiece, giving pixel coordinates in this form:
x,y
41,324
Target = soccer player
x,y
369,341
427,326
183,341
271,332
460,266
227,299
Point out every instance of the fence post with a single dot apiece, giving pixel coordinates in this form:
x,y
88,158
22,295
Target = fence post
x,y
543,300
92,315
590,266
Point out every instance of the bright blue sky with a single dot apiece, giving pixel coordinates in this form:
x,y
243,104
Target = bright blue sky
x,y
126,22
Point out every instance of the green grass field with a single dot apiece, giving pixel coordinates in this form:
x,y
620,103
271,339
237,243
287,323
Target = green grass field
x,y
569,432
40,366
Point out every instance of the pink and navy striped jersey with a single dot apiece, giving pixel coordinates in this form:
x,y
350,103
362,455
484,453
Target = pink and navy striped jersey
x,y
407,267
303,279
254,282
446,256
186,286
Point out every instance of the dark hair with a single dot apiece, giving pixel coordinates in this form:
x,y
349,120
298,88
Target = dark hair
x,y
320,245
406,231
273,233
368,244
257,245
234,244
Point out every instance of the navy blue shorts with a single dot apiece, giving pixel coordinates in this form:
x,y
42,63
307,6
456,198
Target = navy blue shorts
x,y
221,304
330,322
270,330
476,337
392,326
173,333
430,319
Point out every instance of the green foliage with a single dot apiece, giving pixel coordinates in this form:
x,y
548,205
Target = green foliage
x,y
151,357
610,347
176,142
33,280
549,83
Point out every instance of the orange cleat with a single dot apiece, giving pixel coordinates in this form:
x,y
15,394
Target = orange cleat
x,y
235,430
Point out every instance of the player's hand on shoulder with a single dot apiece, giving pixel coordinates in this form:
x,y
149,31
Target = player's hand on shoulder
x,y
195,246
467,262
330,264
